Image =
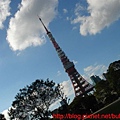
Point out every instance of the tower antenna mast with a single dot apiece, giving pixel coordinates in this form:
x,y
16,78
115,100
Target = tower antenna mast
x,y
43,25
80,85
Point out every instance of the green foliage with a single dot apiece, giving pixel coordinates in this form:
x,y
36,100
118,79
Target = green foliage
x,y
108,90
2,117
113,76
33,101
82,105
102,90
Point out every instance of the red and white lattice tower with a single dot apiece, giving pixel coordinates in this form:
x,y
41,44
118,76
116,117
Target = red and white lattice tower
x,y
80,85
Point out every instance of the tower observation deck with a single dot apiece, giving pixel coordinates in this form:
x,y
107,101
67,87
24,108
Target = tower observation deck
x,y
80,85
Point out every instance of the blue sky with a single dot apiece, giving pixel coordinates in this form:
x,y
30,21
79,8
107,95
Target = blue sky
x,y
87,30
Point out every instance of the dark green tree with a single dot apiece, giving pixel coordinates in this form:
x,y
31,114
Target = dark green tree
x,y
33,101
2,117
102,90
108,90
113,76
76,106
82,105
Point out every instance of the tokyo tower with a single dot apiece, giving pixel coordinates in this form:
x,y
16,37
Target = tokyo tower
x,y
80,85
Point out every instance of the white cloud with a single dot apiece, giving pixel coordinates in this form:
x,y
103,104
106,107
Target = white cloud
x,y
4,11
94,70
67,18
58,73
79,8
102,13
67,90
5,113
75,62
65,11
24,28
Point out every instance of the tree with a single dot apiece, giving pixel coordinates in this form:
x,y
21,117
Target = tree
x,y
113,76
33,101
108,90
82,105
102,90
2,117
76,106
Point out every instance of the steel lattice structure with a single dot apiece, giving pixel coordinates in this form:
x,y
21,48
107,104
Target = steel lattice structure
x,y
80,85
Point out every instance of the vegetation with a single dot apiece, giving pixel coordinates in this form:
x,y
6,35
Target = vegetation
x,y
82,105
2,117
102,90
113,76
33,101
106,91
109,112
112,108
109,90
